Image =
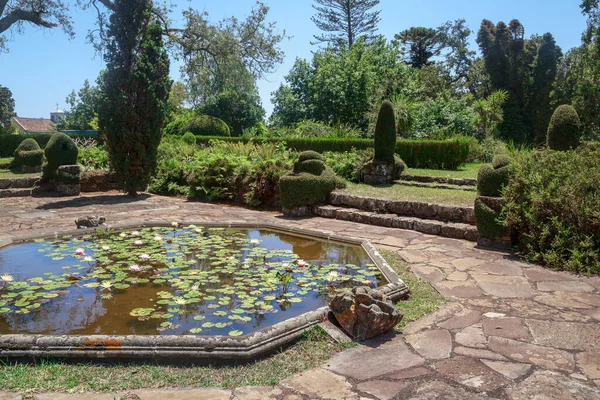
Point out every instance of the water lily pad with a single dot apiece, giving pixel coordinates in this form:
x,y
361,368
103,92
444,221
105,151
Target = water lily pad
x,y
141,312
236,333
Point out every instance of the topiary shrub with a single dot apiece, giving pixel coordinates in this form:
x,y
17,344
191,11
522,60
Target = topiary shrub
x,y
28,157
310,182
500,161
563,130
60,150
489,224
206,125
189,138
490,181
385,134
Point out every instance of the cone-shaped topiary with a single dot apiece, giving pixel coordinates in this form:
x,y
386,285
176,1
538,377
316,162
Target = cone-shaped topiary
x,y
28,156
60,150
563,130
385,134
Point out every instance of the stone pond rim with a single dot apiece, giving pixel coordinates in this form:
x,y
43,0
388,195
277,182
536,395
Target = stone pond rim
x,y
171,348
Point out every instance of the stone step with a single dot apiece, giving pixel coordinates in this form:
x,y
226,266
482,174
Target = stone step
x,y
439,179
19,183
19,192
436,185
446,229
439,212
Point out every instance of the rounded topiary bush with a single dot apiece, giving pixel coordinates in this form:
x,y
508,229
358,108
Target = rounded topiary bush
x,y
60,150
501,160
206,125
490,181
488,223
28,156
385,134
563,130
189,138
310,155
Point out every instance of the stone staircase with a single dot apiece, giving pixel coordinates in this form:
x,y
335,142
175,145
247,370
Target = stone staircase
x,y
438,182
18,187
434,219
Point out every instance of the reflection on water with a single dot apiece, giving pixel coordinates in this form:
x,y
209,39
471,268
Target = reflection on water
x,y
185,281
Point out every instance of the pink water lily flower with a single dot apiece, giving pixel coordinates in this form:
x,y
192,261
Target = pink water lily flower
x,y
302,263
80,251
135,233
135,268
145,257
138,242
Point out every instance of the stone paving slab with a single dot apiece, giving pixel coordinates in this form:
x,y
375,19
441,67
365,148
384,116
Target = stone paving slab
x,y
510,331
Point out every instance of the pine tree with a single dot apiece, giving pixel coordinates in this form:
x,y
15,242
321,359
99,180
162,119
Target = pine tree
x,y
344,21
135,92
423,44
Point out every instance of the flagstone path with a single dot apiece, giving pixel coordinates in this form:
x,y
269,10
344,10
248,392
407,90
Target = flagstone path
x,y
510,331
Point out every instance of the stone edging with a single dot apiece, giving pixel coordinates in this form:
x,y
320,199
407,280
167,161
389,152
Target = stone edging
x,y
440,179
180,347
405,208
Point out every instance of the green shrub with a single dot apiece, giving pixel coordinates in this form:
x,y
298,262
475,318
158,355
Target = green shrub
x,y
28,154
348,165
490,181
552,203
60,150
489,223
385,133
399,165
500,161
93,158
309,183
189,138
563,130
9,143
206,125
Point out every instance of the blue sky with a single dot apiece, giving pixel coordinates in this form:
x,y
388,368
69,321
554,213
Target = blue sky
x,y
44,66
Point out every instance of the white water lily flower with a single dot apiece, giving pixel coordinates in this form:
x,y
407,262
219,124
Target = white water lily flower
x,y
194,288
175,223
135,268
254,241
285,265
158,238
105,248
7,278
123,234
88,259
138,242
106,285
332,276
180,301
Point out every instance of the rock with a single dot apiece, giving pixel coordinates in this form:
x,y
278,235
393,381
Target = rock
x,y
364,313
89,222
377,173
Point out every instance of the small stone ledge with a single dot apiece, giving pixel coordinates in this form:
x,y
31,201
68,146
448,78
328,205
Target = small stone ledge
x,y
404,208
435,185
439,179
19,183
452,230
98,181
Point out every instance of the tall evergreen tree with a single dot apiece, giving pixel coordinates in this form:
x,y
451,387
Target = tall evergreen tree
x,y
135,92
344,21
7,108
422,44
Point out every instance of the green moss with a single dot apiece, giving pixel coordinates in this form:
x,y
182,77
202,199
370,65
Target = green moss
x,y
490,181
488,223
563,130
385,133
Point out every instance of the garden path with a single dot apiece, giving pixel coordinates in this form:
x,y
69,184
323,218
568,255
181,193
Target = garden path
x,y
511,330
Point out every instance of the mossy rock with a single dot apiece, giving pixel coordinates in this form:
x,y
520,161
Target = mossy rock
x,y
385,134
60,150
563,130
28,156
490,181
488,223
500,161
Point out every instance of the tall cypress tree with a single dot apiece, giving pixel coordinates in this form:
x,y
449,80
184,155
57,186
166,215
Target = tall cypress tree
x,y
135,92
344,21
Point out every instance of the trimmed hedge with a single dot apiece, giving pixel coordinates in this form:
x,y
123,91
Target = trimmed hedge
x,y
563,130
385,133
488,223
434,154
28,154
9,143
490,181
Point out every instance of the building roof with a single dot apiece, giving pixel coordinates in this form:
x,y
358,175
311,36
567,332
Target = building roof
x,y
35,124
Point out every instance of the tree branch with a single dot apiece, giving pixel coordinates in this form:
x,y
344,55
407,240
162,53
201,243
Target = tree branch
x,y
28,16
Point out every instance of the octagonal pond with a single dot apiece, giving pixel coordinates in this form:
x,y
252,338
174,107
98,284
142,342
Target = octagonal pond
x,y
174,280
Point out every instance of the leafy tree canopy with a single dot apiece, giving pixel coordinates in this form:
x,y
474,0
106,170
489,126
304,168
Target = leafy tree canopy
x,y
7,108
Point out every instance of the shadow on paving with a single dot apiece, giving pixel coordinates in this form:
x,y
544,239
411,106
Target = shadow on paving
x,y
93,200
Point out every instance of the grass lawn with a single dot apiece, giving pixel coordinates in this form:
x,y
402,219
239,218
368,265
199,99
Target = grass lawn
x,y
411,193
6,173
466,171
311,351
